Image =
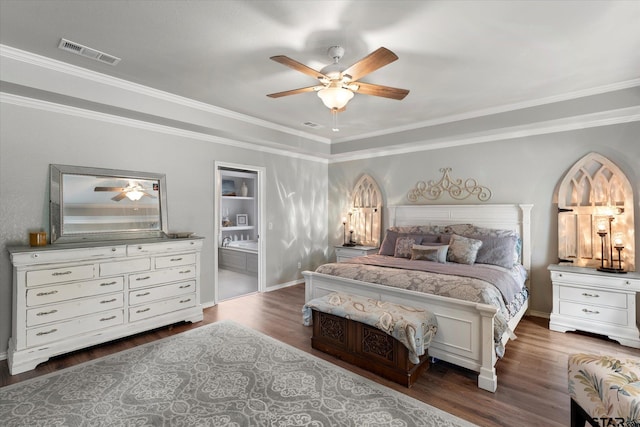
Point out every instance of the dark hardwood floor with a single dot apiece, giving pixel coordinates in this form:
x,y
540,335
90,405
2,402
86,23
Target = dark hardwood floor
x,y
532,378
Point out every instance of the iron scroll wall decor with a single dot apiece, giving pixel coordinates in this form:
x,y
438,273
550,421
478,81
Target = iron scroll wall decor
x,y
457,189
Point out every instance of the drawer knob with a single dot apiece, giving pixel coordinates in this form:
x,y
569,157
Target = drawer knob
x,y
113,249
560,275
143,310
144,294
104,319
46,332
185,300
107,301
143,278
185,271
585,294
42,294
139,248
176,259
590,311
184,286
35,255
44,313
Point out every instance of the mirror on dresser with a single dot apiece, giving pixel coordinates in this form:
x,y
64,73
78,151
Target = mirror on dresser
x,y
95,204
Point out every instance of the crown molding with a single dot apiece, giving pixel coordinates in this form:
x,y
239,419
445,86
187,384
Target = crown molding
x,y
606,118
22,101
94,76
498,110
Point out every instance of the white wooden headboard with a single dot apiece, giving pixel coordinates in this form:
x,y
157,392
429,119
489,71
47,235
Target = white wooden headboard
x,y
504,217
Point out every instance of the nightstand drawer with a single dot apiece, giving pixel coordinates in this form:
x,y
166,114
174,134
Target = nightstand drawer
x,y
593,296
594,313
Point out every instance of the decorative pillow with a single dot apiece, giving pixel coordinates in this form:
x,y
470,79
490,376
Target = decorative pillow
x,y
388,246
497,250
435,253
429,238
463,250
404,246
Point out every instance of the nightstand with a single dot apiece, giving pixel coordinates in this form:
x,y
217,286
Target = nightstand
x,y
345,252
588,300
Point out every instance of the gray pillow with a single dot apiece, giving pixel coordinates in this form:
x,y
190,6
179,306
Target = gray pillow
x,y
436,253
463,250
496,250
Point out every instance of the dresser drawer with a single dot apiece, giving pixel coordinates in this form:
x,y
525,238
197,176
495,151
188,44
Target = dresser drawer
x,y
57,331
593,296
164,247
67,291
162,276
58,275
593,313
129,266
73,308
175,260
145,295
161,307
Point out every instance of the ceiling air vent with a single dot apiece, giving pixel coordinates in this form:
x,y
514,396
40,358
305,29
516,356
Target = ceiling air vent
x,y
311,125
85,51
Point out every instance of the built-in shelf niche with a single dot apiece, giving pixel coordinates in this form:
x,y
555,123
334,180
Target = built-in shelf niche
x,y
593,192
366,212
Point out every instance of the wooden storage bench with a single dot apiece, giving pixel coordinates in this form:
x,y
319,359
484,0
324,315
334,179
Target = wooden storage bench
x,y
365,346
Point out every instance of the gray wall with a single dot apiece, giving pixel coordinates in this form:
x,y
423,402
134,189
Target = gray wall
x,y
523,170
31,139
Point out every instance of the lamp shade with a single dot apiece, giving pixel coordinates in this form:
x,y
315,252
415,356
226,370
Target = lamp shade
x,y
335,97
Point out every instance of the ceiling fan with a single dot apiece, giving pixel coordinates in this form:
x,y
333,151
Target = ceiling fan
x,y
133,191
338,84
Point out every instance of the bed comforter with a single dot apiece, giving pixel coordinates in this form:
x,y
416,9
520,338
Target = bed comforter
x,y
481,283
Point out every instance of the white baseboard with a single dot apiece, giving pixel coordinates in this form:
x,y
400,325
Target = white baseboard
x,y
284,285
538,314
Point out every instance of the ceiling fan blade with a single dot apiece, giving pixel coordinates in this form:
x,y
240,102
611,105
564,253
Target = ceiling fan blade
x,y
108,189
149,195
379,90
119,197
298,66
295,91
376,59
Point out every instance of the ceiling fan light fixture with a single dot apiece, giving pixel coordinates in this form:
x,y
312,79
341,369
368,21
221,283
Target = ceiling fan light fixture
x,y
134,195
335,98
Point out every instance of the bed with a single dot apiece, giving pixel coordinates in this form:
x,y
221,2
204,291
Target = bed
x,y
465,334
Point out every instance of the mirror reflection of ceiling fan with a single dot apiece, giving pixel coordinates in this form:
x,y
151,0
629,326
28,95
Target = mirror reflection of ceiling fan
x,y
133,191
338,84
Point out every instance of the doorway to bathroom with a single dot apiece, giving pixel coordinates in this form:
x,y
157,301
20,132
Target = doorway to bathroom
x,y
238,215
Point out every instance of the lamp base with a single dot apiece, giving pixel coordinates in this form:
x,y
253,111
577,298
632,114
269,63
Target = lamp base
x,y
612,270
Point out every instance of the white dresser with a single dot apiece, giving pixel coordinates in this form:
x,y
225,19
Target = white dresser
x,y
589,300
345,252
67,297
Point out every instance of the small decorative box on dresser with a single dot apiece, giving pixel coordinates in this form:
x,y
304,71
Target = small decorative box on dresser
x,y
588,300
72,296
345,252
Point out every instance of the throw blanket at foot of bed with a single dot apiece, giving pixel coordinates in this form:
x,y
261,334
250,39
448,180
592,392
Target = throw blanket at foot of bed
x,y
413,327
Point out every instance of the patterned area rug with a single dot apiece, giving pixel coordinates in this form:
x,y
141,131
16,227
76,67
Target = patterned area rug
x,y
222,374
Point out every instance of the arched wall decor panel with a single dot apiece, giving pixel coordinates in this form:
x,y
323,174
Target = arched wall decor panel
x,y
366,212
595,215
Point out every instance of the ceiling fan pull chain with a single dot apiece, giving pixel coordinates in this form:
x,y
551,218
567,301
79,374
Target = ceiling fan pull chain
x,y
334,127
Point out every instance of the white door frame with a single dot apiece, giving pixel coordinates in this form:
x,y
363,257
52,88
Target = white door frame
x,y
217,224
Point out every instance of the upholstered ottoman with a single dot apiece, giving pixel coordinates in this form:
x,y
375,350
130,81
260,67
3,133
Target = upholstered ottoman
x,y
387,339
604,390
